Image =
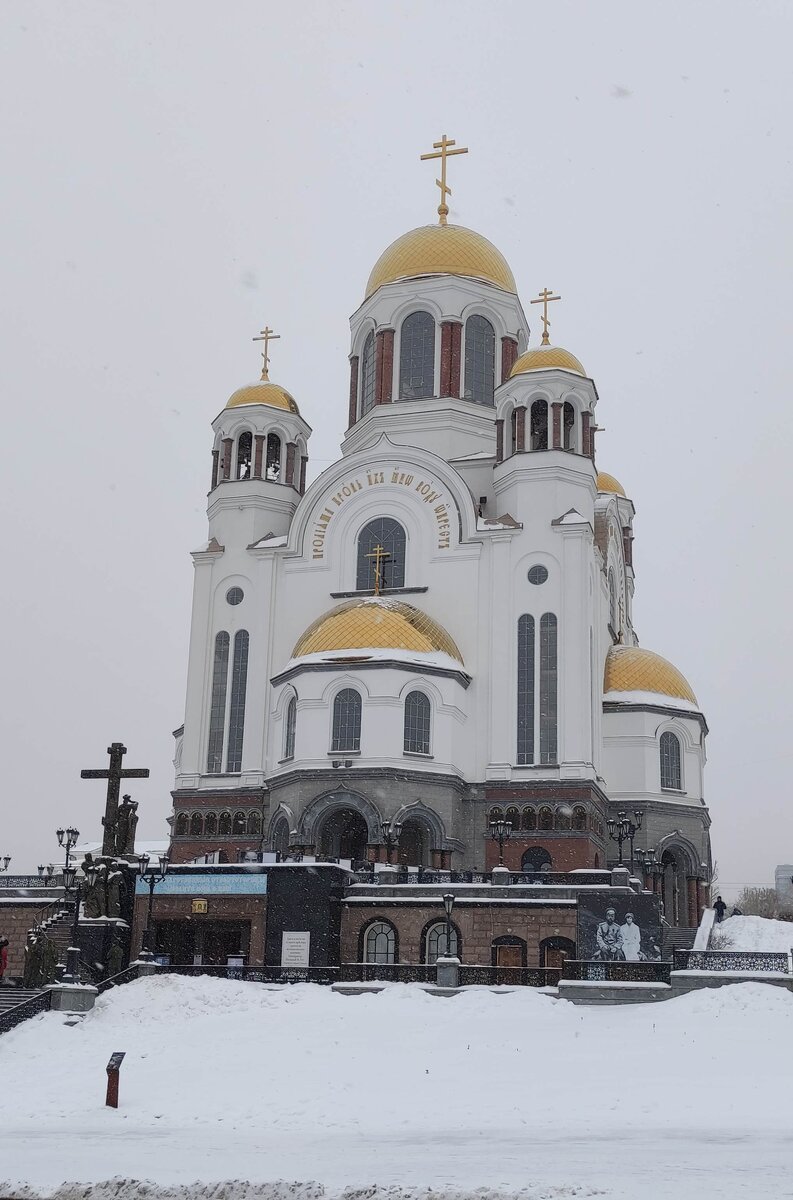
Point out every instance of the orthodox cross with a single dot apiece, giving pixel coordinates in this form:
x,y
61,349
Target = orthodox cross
x,y
545,297
266,335
443,152
113,774
379,554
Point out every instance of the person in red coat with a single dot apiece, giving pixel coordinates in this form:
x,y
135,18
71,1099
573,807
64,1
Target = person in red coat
x,y
3,957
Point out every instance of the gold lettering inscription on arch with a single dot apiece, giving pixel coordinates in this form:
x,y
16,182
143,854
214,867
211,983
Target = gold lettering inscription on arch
x,y
425,489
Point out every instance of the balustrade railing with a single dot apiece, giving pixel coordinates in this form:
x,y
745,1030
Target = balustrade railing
x,y
29,881
616,972
386,973
12,1017
775,961
541,878
511,976
129,975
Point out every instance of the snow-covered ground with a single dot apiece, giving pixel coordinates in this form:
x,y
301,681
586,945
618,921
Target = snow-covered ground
x,y
404,1094
752,933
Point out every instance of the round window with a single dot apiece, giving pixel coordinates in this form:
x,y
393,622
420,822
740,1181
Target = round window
x,y
235,595
538,573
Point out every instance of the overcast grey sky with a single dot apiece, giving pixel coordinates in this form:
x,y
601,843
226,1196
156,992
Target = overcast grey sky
x,y
177,174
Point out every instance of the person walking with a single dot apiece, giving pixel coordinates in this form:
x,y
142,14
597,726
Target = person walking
x,y
720,908
3,958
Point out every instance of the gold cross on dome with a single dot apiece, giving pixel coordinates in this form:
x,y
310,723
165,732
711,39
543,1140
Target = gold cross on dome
x,y
266,335
443,152
379,554
545,297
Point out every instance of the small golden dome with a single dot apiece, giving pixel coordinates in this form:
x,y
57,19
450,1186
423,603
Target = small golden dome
x,y
441,250
631,669
376,624
607,483
264,392
545,358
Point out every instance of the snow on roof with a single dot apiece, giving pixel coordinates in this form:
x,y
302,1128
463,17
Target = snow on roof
x,y
268,541
650,698
350,657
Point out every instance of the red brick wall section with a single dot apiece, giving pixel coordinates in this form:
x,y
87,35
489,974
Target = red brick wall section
x,y
557,425
15,921
499,441
215,468
386,394
456,352
479,925
353,413
184,850
219,908
289,474
586,434
509,353
258,455
520,429
569,853
225,460
446,358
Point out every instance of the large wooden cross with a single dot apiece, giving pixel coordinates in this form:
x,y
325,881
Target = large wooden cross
x,y
443,152
379,554
113,774
545,297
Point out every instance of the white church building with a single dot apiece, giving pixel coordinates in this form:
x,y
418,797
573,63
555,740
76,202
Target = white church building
x,y
438,632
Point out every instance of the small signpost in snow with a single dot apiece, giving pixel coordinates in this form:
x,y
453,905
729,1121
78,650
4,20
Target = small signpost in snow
x,y
113,1068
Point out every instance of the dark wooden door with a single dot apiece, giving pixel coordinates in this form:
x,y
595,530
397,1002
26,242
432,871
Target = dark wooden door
x,y
509,956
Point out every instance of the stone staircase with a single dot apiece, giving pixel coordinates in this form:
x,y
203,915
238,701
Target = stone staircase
x,y
10,997
677,939
58,929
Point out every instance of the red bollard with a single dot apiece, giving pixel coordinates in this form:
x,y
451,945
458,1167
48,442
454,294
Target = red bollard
x,y
113,1068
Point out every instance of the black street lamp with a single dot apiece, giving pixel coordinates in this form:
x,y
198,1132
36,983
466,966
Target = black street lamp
x,y
152,878
46,873
5,860
448,904
67,838
500,831
391,834
623,829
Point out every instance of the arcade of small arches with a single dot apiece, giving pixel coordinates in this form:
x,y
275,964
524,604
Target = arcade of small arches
x,y
541,424
351,829
242,823
560,818
260,456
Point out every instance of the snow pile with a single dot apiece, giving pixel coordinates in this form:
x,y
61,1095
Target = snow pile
x,y
399,1095
752,933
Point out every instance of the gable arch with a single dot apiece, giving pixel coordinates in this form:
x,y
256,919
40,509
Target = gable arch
x,y
684,850
327,803
427,818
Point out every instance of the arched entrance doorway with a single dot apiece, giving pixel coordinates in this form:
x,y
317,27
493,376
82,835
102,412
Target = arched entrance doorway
x,y
673,889
343,834
414,849
536,858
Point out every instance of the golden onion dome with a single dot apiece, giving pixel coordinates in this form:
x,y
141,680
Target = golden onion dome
x,y
607,483
631,669
264,392
546,358
441,250
376,623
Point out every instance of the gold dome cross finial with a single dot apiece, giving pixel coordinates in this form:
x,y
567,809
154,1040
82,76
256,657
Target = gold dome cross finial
x,y
544,298
443,152
266,335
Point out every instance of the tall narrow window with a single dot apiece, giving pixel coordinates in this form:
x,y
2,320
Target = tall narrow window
x,y
217,712
273,465
380,943
548,689
613,606
367,375
239,679
389,535
539,425
346,721
480,360
525,690
568,422
291,725
417,723
436,946
244,450
670,762
417,357
513,433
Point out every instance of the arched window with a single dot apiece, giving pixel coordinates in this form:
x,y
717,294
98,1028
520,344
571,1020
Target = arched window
x,y
613,604
417,357
435,945
182,824
238,824
480,360
346,721
272,469
290,727
529,820
495,814
239,680
367,375
196,825
418,718
224,824
539,425
217,714
579,819
513,816
254,827
244,452
548,689
280,837
562,818
380,943
568,426
210,824
525,749
389,535
546,818
671,776
535,858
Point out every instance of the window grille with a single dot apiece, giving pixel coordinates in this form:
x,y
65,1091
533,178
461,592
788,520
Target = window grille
x,y
671,776
291,725
435,943
480,360
548,689
525,753
239,679
346,721
539,425
388,533
244,451
367,375
217,714
273,463
417,357
418,718
380,943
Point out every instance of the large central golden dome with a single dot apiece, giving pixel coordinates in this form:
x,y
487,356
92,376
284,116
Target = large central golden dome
x,y
376,624
441,250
